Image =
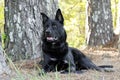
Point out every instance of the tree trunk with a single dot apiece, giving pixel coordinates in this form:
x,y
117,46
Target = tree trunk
x,y
117,31
23,26
99,28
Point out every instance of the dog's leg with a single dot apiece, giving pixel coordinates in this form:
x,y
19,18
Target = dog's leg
x,y
83,62
70,59
47,65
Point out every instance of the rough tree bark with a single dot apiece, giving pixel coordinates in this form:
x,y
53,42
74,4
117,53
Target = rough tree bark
x,y
23,26
99,28
118,26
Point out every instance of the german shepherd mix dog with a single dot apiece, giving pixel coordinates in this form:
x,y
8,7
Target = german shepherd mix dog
x,y
57,55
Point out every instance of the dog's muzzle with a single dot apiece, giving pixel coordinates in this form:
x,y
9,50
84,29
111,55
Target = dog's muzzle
x,y
51,38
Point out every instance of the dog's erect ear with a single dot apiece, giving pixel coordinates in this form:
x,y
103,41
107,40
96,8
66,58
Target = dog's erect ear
x,y
59,16
44,17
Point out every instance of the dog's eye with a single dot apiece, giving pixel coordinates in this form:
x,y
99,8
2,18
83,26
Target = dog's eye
x,y
47,26
54,25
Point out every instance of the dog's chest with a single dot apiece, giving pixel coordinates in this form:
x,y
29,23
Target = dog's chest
x,y
55,52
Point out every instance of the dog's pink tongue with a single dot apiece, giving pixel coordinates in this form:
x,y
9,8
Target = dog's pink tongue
x,y
50,38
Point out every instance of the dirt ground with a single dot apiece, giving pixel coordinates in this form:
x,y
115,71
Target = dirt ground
x,y
106,56
99,57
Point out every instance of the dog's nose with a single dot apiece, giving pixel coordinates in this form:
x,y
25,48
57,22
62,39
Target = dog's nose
x,y
47,31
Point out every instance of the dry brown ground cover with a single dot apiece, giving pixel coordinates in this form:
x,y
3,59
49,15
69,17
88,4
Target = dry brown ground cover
x,y
109,56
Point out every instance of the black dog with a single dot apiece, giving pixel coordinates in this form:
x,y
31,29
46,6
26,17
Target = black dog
x,y
56,53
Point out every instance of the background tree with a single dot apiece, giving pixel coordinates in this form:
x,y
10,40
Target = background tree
x,y
118,26
23,27
99,28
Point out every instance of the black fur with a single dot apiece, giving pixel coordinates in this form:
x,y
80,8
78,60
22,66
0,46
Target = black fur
x,y
57,55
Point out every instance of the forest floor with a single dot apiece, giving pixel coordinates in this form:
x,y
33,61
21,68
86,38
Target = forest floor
x,y
109,56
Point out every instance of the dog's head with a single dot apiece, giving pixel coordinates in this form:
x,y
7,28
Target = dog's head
x,y
53,30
